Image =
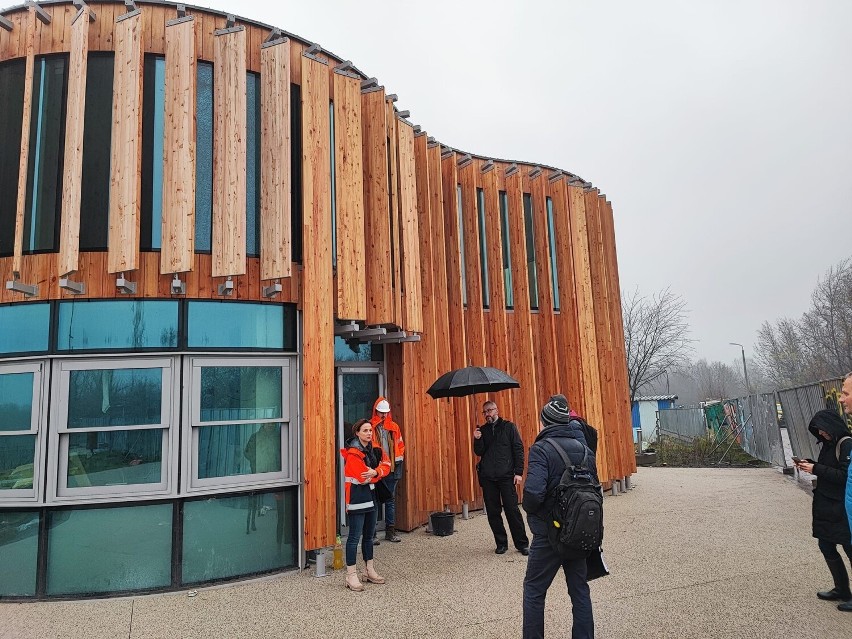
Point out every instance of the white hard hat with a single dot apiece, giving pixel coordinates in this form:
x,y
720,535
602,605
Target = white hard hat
x,y
383,406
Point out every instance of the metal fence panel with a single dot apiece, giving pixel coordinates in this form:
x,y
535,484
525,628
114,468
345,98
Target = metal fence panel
x,y
760,432
800,405
687,424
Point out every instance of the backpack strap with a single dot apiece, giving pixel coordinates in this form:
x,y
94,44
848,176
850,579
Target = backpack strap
x,y
564,455
836,448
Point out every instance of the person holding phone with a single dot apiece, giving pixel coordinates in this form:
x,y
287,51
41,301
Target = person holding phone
x,y
830,524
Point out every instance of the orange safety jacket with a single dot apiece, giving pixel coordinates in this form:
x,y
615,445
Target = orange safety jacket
x,y
385,421
359,492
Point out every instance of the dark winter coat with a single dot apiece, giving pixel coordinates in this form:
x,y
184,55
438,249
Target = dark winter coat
x,y
501,450
829,511
545,469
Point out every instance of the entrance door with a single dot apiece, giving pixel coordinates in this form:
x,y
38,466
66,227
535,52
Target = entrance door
x,y
357,390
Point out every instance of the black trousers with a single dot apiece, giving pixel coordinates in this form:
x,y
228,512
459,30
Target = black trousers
x,y
499,494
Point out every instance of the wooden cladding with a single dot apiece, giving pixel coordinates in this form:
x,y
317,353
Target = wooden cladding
x,y
412,304
178,236
229,153
69,243
275,183
349,198
29,52
317,305
125,190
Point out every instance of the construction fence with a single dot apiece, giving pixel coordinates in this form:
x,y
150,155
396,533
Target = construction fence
x,y
800,404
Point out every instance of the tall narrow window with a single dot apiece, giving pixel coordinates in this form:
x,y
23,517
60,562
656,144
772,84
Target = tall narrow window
x,y
551,242
11,116
97,137
20,419
204,158
483,248
253,164
296,170
462,268
47,145
153,120
529,230
507,255
333,186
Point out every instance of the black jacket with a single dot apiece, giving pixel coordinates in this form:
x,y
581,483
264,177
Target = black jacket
x,y
546,467
829,511
501,450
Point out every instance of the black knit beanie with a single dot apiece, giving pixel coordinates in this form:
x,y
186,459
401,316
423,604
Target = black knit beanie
x,y
556,411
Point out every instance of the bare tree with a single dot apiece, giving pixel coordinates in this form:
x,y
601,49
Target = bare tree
x,y
656,336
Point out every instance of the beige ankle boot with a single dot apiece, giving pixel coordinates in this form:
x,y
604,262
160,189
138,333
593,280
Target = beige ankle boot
x,y
352,581
371,575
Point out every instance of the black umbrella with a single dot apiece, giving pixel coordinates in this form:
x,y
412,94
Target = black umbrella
x,y
472,379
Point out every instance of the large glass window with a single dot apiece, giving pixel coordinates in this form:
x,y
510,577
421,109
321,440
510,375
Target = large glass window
x,y
24,328
462,266
241,325
551,242
296,170
253,169
204,158
351,350
97,550
529,230
12,75
117,324
97,138
507,254
21,391
483,248
18,553
114,427
153,121
229,536
239,422
46,152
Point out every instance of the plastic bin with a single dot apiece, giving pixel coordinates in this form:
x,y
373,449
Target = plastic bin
x,y
442,523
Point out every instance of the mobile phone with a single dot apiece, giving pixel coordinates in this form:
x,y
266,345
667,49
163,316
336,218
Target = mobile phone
x,y
797,459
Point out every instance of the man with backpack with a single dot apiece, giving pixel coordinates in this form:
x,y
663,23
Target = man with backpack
x,y
551,494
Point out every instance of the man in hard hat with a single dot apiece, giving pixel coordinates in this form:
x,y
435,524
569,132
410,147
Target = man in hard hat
x,y
386,433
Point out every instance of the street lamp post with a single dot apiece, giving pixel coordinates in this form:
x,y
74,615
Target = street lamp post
x,y
745,370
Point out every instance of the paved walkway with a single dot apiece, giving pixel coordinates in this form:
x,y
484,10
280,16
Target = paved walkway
x,y
718,553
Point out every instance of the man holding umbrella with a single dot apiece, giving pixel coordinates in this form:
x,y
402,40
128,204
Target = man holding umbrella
x,y
501,468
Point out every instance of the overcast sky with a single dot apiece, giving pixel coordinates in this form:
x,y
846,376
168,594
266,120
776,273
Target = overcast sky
x,y
721,131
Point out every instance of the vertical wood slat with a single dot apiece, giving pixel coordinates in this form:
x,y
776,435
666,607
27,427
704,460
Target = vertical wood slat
x,y
23,166
126,157
69,243
393,189
548,380
349,197
317,307
380,308
412,319
229,152
586,322
178,234
276,249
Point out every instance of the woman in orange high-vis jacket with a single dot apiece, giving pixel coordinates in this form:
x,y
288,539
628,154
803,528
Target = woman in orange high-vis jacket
x,y
363,465
386,433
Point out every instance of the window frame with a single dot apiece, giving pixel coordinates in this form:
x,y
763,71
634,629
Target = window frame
x,y
191,422
58,490
39,407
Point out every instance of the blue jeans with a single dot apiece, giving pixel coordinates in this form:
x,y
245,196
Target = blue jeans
x,y
362,527
542,566
390,505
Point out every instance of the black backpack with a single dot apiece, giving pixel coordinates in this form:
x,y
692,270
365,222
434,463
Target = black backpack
x,y
575,526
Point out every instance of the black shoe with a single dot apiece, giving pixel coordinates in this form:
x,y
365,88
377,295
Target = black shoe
x,y
501,550
525,551
845,607
834,595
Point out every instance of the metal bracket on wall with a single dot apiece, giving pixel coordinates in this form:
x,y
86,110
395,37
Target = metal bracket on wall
x,y
273,289
41,14
464,160
125,286
77,288
488,166
226,288
82,6
346,69
5,23
131,5
403,114
178,286
29,290
276,36
535,172
553,177
313,52
393,97
511,169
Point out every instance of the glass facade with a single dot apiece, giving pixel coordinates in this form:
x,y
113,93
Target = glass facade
x,y
483,248
507,251
551,243
12,75
117,325
240,325
83,556
296,170
529,231
18,552
354,351
97,138
204,158
26,327
253,143
17,470
112,398
229,536
46,152
153,121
